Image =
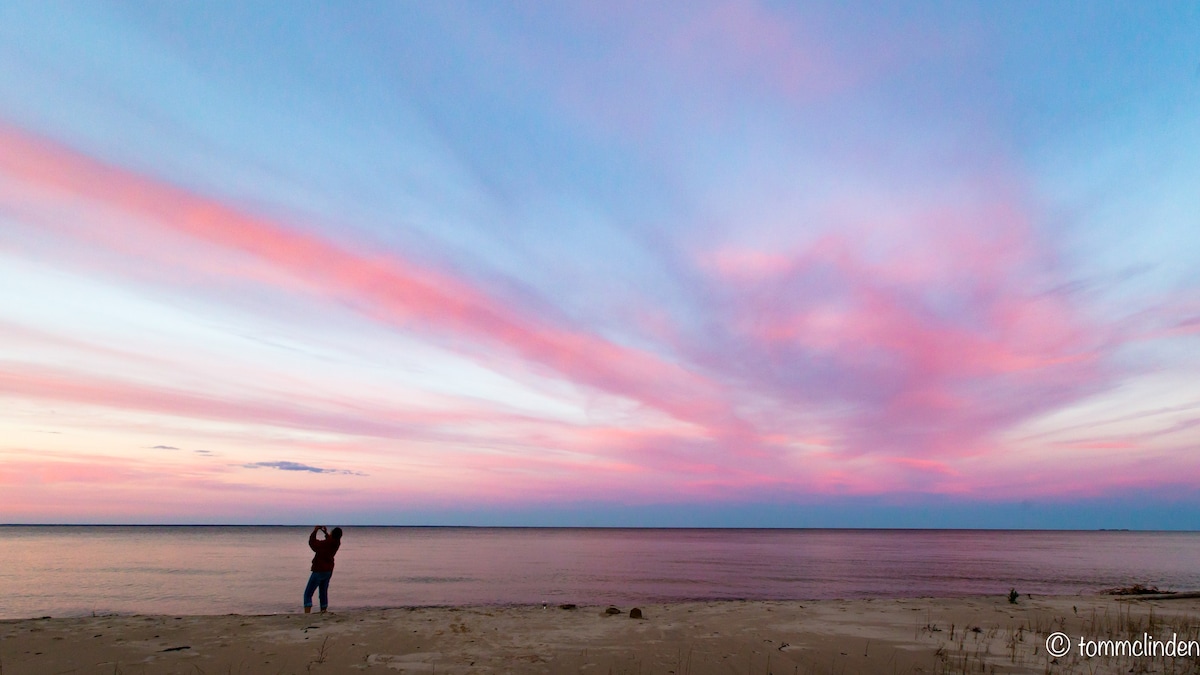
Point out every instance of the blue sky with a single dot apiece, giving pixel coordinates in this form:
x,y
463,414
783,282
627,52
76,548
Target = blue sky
x,y
724,263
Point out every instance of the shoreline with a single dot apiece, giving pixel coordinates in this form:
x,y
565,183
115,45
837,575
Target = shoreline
x,y
1082,595
897,635
1164,595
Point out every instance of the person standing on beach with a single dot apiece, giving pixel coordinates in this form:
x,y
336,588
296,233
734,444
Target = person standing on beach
x,y
322,565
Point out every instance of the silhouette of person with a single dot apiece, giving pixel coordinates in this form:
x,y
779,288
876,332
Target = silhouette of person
x,y
322,565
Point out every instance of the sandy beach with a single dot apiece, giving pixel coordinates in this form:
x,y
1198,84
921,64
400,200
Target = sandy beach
x,y
980,634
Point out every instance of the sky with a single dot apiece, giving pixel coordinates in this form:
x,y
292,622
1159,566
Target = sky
x,y
759,264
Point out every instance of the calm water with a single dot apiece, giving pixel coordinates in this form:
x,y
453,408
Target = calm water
x,y
61,571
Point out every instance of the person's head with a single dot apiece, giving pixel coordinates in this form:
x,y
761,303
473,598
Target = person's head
x,y
336,533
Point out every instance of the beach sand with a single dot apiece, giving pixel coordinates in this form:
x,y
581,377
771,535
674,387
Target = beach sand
x,y
980,634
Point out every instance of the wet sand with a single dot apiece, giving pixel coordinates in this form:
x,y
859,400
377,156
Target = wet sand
x,y
955,635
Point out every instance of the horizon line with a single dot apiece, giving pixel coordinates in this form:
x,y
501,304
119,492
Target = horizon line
x,y
624,527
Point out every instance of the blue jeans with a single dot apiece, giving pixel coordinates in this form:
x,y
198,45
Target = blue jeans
x,y
318,580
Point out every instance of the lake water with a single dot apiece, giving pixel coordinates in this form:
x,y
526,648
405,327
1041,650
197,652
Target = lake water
x,y
67,570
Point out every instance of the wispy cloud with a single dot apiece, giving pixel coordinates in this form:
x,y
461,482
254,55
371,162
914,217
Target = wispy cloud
x,y
297,466
384,287
730,252
920,352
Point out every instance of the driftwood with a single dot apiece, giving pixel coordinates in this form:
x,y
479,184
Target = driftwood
x,y
1140,592
1191,595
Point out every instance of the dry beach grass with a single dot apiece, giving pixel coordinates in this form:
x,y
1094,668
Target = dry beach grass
x,y
955,635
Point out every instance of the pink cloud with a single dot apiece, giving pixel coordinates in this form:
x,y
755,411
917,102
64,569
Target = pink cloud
x,y
745,39
382,286
926,465
921,332
485,453
838,367
659,65
1098,445
459,423
80,388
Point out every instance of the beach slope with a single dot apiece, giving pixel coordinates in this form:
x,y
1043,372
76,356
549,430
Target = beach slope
x,y
829,636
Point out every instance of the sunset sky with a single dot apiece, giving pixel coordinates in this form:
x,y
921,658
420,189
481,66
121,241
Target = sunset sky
x,y
684,263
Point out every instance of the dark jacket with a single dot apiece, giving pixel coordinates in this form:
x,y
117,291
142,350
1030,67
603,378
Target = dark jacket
x,y
325,550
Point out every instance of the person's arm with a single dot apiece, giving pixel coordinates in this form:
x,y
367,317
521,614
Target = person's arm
x,y
312,538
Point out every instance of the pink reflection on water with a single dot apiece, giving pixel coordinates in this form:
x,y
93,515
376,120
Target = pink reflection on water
x,y
56,570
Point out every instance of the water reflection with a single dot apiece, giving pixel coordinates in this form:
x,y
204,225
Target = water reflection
x,y
211,570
